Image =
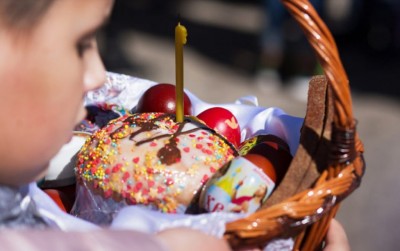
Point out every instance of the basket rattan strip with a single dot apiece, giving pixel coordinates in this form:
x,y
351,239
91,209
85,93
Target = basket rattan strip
x,y
324,45
346,165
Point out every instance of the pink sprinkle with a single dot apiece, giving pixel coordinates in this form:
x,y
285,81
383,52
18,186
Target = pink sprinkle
x,y
126,176
186,149
199,146
108,193
124,194
192,135
136,160
96,162
116,168
212,170
153,144
150,183
209,152
93,170
109,128
204,179
169,181
160,189
138,186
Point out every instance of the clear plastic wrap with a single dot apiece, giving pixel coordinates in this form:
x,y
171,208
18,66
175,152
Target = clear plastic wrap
x,y
123,92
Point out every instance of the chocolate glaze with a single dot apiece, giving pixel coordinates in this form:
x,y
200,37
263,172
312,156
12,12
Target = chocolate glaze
x,y
170,153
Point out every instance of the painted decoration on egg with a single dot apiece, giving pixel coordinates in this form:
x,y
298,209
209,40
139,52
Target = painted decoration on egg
x,y
242,188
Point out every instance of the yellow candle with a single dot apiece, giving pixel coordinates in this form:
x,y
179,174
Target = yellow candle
x,y
180,40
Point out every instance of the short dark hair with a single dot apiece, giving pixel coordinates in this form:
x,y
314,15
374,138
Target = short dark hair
x,y
22,14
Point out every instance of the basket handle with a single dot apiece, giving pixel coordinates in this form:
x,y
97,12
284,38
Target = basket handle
x,y
322,41
345,166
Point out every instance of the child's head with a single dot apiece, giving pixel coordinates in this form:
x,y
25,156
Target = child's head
x,y
49,59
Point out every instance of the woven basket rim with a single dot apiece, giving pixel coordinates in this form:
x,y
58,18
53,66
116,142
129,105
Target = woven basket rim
x,y
316,205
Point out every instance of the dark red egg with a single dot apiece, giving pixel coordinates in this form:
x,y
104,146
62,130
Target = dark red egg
x,y
277,152
62,200
263,163
161,98
270,139
223,122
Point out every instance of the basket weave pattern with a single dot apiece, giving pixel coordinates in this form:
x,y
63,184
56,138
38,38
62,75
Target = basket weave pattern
x,y
304,212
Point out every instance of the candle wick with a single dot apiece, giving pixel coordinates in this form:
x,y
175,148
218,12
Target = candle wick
x,y
179,18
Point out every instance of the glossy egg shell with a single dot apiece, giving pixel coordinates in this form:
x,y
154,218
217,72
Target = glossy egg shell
x,y
223,122
161,98
271,139
62,199
278,156
262,163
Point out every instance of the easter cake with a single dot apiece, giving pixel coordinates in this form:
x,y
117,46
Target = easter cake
x,y
151,160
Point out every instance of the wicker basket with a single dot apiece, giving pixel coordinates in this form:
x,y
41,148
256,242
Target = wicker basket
x,y
328,165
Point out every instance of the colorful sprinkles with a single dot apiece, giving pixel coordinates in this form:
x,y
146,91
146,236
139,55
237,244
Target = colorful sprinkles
x,y
149,159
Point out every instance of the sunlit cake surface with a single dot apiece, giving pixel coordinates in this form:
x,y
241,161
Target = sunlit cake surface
x,y
149,159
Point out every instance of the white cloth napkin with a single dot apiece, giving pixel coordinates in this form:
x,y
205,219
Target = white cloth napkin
x,y
125,91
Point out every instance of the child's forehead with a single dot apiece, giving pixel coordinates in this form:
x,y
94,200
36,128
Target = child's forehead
x,y
23,14
88,9
64,16
67,20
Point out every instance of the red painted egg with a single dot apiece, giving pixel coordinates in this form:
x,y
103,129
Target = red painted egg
x,y
277,152
263,163
161,98
222,121
242,185
62,200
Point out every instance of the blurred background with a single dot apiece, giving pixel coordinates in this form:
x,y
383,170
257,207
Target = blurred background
x,y
237,48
